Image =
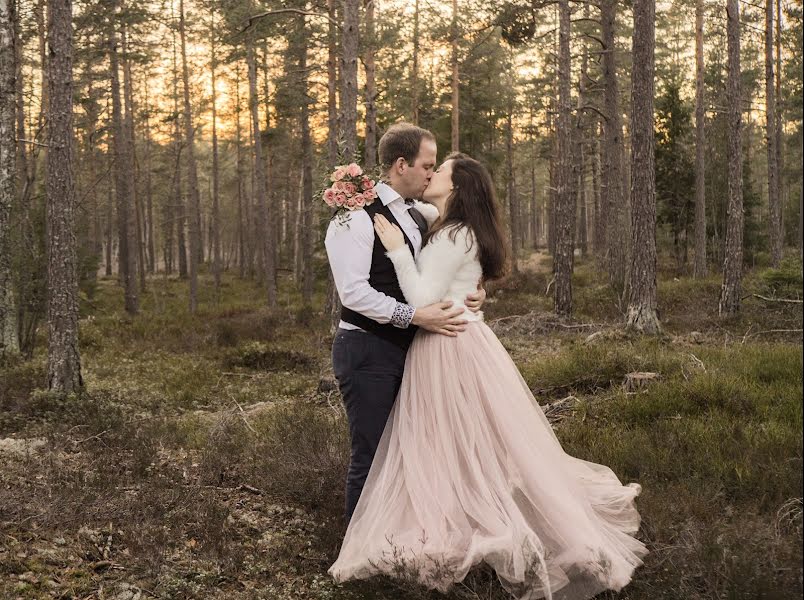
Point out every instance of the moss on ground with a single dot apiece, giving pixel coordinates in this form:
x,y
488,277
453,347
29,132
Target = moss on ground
x,y
206,458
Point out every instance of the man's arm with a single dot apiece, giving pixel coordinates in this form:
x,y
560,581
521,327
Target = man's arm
x,y
349,249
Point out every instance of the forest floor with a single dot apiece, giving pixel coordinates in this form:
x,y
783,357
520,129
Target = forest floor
x,y
207,457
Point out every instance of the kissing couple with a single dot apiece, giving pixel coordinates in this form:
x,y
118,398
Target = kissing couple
x,y
453,462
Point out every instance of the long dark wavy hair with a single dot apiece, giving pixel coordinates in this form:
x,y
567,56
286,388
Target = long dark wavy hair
x,y
473,204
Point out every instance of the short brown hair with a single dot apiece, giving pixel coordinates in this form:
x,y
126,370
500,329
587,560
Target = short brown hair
x,y
401,140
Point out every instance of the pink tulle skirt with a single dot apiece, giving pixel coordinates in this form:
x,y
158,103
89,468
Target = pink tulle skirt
x,y
469,470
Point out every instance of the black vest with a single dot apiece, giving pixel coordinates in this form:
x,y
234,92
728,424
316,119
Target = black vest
x,y
382,277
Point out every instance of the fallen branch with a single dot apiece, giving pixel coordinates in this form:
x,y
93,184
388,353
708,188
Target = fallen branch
x,y
777,331
787,300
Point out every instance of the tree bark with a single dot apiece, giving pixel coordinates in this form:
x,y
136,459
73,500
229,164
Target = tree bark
x,y
304,237
642,309
615,235
455,80
733,253
265,227
128,134
414,70
63,358
151,249
700,267
774,202
193,195
9,341
371,87
510,188
216,225
565,201
350,36
242,225
332,88
126,217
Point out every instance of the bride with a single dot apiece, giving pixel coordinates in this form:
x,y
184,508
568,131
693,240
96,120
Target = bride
x,y
468,469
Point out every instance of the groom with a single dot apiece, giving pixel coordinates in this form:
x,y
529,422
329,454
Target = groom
x,y
377,325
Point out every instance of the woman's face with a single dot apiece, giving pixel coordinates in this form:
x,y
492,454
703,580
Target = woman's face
x,y
440,184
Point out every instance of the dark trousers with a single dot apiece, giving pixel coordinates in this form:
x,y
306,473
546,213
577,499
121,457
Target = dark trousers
x,y
369,371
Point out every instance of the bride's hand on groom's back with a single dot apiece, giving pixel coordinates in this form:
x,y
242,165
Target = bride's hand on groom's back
x,y
441,318
474,302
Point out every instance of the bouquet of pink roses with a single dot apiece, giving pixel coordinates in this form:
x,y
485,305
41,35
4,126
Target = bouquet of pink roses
x,y
351,189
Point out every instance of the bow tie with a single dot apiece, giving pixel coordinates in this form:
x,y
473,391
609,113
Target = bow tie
x,y
409,201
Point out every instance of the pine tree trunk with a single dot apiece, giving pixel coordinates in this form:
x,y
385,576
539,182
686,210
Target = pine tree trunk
x,y
700,268
151,249
9,342
128,130
63,359
193,195
332,89
642,314
455,81
414,69
513,204
216,225
242,228
598,217
126,218
350,35
304,237
265,227
371,87
580,148
565,201
615,235
733,253
778,128
774,203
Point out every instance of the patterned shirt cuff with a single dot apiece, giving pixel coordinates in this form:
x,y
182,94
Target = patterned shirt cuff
x,y
403,315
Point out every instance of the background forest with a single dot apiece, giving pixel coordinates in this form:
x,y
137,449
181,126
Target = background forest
x,y
169,423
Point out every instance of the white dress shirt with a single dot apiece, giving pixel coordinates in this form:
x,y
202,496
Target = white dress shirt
x,y
350,247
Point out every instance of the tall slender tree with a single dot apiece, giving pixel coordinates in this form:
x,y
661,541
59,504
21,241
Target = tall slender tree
x,y
193,194
369,45
455,81
700,268
265,229
414,68
774,201
642,314
216,225
565,201
9,341
615,235
63,358
733,253
350,35
126,216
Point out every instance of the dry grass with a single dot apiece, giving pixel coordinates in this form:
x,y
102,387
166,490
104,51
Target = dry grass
x,y
207,461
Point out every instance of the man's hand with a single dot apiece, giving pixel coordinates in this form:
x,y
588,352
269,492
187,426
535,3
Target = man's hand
x,y
474,302
438,318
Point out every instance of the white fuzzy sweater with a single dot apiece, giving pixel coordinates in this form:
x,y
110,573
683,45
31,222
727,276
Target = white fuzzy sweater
x,y
446,269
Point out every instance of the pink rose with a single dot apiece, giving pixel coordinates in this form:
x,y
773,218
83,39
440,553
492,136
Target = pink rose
x,y
354,170
339,174
369,195
360,200
368,184
348,188
351,204
329,197
340,199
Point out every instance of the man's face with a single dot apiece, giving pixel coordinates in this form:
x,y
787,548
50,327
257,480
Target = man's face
x,y
416,177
